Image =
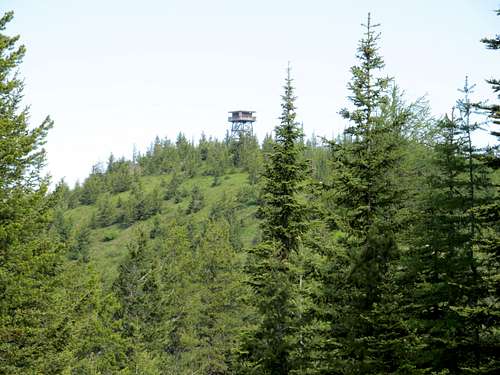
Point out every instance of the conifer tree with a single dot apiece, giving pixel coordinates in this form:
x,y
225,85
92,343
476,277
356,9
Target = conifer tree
x,y
284,176
442,285
494,109
268,348
366,199
139,290
32,331
221,314
78,247
196,201
96,345
93,186
119,177
61,225
489,215
105,214
483,243
62,195
446,310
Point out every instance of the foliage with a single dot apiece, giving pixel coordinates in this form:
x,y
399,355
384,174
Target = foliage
x,y
366,202
268,348
30,260
374,253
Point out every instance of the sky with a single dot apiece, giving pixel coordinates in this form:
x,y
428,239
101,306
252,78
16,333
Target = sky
x,y
114,74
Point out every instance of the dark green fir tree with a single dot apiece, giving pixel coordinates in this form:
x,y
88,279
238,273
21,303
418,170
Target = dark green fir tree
x,y
365,199
446,302
32,330
268,349
494,109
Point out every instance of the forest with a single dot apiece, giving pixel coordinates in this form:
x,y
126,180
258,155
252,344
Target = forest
x,y
376,252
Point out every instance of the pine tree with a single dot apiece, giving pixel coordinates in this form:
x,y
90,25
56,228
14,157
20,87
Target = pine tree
x,y
79,245
96,345
62,195
482,246
196,201
221,314
93,186
441,284
284,176
139,205
489,242
32,331
105,214
494,109
139,291
61,225
488,215
365,199
172,188
119,177
269,347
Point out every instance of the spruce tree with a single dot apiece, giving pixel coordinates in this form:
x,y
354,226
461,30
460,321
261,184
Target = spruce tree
x,y
365,199
494,109
442,284
221,314
93,186
284,177
79,244
489,214
138,288
447,322
32,329
268,348
105,213
481,247
96,345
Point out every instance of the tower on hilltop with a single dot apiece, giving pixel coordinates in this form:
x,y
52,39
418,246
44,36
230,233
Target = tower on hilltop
x,y
241,123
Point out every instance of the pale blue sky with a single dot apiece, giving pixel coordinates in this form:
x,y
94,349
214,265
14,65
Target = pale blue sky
x,y
114,74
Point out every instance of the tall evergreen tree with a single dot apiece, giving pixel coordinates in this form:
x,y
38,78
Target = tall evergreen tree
x,y
284,176
221,314
490,214
449,328
366,200
32,332
139,290
268,348
95,345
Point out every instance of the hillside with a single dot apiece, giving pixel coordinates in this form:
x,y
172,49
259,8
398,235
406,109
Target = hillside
x,y
107,245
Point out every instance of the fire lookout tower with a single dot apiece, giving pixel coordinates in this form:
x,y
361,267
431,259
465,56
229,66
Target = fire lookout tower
x,y
241,123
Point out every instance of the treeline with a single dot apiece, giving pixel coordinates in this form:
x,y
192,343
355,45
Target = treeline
x,y
377,252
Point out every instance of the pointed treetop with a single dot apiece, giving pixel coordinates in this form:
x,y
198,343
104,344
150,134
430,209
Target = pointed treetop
x,y
492,43
367,49
367,90
464,104
288,99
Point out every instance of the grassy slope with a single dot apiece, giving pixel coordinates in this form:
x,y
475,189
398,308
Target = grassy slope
x,y
108,245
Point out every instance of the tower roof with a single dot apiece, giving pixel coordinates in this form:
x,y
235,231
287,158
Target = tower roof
x,y
241,116
241,111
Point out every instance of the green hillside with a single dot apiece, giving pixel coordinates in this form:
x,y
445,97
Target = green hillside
x,y
107,246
